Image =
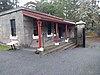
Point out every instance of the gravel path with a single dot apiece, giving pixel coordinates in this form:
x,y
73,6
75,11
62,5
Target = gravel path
x,y
79,61
93,45
93,42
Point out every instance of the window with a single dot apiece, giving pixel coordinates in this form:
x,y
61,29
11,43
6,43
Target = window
x,y
35,29
54,29
49,28
13,27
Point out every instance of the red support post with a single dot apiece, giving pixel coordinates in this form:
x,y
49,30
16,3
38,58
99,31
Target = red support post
x,y
56,32
39,34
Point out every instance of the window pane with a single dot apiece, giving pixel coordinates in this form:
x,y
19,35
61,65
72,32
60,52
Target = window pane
x,y
35,29
35,33
13,27
49,29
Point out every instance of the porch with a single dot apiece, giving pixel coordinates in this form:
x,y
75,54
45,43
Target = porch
x,y
45,30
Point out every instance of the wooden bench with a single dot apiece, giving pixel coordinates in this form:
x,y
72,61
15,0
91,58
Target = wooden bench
x,y
13,44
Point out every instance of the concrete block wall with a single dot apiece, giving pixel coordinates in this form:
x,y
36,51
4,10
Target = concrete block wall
x,y
5,26
5,29
80,36
28,32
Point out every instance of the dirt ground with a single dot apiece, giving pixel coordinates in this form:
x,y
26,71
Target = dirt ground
x,y
92,42
92,39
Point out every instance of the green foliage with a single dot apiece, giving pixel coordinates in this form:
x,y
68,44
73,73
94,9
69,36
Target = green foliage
x,y
69,8
15,3
61,8
7,4
88,12
45,7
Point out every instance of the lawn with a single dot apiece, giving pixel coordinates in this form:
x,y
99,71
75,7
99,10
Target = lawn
x,y
4,48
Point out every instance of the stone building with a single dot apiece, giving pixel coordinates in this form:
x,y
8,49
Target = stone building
x,y
34,29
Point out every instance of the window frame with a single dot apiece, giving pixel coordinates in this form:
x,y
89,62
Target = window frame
x,y
35,30
13,27
49,29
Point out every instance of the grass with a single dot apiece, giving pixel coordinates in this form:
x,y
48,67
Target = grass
x,y
4,48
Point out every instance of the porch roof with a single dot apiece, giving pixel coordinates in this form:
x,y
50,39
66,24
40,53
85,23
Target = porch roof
x,y
45,17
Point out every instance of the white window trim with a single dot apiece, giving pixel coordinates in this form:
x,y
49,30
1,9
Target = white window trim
x,y
50,35
35,37
13,37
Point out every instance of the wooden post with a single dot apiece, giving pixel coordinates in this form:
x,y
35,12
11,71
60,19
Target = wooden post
x,y
39,34
40,48
56,34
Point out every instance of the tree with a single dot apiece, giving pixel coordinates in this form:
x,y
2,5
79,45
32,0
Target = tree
x,y
70,7
15,3
60,8
88,12
5,5
8,4
45,7
31,5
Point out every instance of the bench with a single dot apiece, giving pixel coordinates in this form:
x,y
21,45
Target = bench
x,y
13,44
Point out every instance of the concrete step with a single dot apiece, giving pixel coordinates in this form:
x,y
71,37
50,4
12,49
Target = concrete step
x,y
49,47
71,46
55,48
74,46
52,45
